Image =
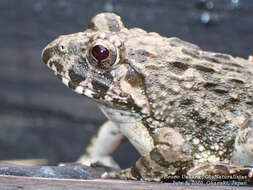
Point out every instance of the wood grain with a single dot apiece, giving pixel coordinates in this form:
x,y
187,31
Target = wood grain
x,y
29,183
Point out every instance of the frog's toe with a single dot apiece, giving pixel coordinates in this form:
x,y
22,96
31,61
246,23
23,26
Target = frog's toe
x,y
105,160
123,174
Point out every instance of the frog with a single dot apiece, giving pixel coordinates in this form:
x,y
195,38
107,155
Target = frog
x,y
187,111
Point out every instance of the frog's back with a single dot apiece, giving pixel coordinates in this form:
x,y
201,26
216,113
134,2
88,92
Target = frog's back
x,y
205,95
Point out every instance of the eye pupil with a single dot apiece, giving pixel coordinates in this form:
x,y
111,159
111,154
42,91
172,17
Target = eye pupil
x,y
100,52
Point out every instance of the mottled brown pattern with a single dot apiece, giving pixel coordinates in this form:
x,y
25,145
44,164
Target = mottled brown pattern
x,y
158,89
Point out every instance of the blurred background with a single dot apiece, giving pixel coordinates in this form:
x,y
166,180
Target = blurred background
x,y
39,116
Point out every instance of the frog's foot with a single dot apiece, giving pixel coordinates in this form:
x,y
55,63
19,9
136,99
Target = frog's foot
x,y
221,172
149,170
105,160
123,174
161,163
169,157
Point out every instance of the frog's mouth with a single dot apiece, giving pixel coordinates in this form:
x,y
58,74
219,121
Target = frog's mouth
x,y
83,90
70,78
95,87
106,98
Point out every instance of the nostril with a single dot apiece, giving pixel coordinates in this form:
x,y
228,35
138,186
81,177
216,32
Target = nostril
x,y
46,55
61,47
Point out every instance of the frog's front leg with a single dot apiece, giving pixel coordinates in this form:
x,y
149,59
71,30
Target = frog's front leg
x,y
102,145
169,156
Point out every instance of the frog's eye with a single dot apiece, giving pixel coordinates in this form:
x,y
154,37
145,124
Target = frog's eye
x,y
100,52
102,55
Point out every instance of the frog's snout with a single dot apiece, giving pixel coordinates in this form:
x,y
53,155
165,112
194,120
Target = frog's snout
x,y
49,51
46,54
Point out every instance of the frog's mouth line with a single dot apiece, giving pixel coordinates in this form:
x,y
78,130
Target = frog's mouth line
x,y
83,90
102,97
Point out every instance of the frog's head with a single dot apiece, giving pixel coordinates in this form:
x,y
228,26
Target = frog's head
x,y
93,63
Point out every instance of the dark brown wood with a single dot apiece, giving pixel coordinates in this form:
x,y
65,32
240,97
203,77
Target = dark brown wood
x,y
29,183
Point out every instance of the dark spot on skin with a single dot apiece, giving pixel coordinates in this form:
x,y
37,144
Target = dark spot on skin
x,y
234,64
133,78
58,67
108,76
72,85
195,115
223,56
142,52
152,67
184,165
191,52
174,44
75,79
237,81
158,158
139,55
91,25
99,87
220,90
113,23
210,58
204,68
145,162
47,54
101,84
180,65
249,102
233,100
229,68
129,104
114,133
186,99
209,84
59,76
